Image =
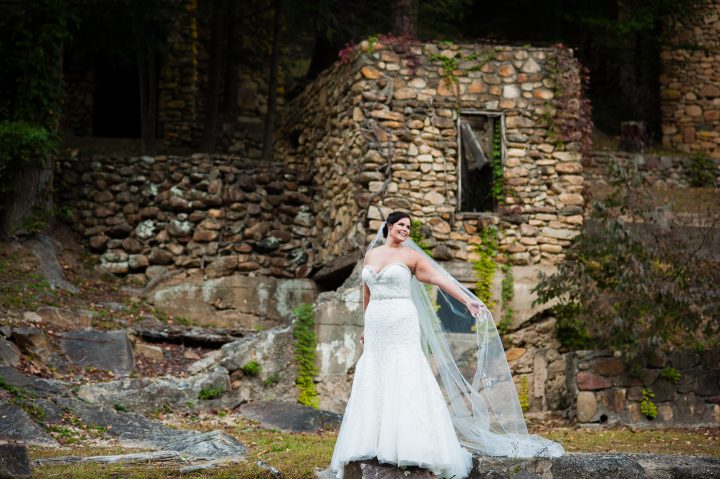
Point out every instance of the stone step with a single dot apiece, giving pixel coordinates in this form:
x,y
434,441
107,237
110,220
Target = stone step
x,y
569,466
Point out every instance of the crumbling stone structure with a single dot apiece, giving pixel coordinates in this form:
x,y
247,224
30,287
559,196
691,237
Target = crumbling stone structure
x,y
220,214
689,84
383,131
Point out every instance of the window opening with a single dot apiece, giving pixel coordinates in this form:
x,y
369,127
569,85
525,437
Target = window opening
x,y
482,146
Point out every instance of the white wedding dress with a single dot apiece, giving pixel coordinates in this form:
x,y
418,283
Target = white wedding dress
x,y
396,411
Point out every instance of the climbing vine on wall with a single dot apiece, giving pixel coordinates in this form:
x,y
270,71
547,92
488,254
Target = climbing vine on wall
x,y
485,265
506,297
305,344
498,184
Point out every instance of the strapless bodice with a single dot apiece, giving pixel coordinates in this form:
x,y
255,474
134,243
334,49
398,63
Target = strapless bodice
x,y
391,282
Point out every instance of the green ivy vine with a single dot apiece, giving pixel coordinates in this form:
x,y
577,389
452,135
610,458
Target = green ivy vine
x,y
485,265
305,344
507,293
451,64
498,184
524,394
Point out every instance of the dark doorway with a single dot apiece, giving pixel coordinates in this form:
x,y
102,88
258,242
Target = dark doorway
x,y
116,102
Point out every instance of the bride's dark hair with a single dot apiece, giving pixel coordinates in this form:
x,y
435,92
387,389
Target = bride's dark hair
x,y
393,218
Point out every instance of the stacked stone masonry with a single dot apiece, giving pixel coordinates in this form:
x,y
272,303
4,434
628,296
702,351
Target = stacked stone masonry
x,y
380,132
218,213
608,391
659,171
689,84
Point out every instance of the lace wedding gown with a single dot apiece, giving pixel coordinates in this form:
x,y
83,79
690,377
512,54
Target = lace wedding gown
x,y
397,412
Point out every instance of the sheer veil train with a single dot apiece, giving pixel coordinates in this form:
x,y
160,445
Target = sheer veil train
x,y
485,408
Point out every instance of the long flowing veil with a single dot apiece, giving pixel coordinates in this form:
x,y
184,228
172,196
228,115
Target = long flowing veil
x,y
484,407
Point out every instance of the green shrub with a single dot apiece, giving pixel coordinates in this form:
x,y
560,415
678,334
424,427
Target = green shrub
x,y
647,406
670,374
626,286
210,393
251,368
702,171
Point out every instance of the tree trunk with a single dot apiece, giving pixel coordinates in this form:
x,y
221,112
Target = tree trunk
x,y
405,18
32,187
213,89
147,77
272,85
32,192
230,102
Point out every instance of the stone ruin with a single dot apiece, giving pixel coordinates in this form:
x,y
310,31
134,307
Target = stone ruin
x,y
396,125
689,85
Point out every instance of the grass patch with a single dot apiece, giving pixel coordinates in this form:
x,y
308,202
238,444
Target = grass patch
x,y
297,455
622,440
22,288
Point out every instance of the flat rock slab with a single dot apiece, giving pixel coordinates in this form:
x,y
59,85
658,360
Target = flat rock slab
x,y
290,417
144,394
155,331
569,466
14,461
106,350
38,386
135,430
16,425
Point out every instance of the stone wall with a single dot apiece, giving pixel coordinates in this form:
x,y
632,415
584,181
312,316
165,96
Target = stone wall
x,y
689,85
219,214
321,133
607,391
183,78
394,145
657,170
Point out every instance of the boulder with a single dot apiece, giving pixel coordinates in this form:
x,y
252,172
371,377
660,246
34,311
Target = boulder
x,y
569,466
32,341
236,301
14,463
16,425
64,318
273,351
290,417
37,386
107,350
146,394
134,430
9,353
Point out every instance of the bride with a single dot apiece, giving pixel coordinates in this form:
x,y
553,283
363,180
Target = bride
x,y
397,411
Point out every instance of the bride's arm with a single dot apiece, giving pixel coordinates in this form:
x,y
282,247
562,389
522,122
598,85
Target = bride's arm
x,y
366,300
425,272
366,296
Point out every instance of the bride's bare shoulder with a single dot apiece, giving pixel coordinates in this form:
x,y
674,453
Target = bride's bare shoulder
x,y
370,255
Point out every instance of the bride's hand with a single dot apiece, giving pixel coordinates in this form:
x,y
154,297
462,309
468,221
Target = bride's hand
x,y
474,307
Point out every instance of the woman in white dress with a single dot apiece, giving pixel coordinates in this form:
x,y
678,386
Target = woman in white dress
x,y
397,411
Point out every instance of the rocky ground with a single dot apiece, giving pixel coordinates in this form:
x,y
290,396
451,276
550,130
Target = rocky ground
x,y
99,384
